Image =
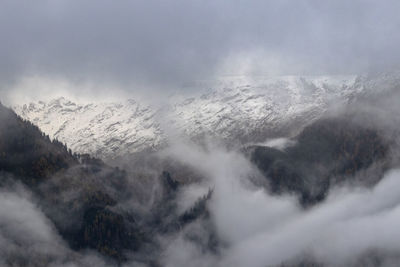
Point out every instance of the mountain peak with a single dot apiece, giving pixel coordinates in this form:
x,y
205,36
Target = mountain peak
x,y
244,108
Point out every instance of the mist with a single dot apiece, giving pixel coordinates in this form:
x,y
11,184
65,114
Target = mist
x,y
228,214
200,133
29,238
254,227
259,229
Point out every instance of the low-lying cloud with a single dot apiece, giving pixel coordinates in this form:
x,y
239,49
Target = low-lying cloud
x,y
254,227
29,238
259,229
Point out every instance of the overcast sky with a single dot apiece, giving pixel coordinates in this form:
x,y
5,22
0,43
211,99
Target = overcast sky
x,y
144,45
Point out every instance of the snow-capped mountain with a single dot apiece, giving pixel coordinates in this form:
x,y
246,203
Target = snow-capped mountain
x,y
101,129
233,108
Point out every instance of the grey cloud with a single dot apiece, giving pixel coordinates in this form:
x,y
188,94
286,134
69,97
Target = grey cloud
x,y
263,230
157,44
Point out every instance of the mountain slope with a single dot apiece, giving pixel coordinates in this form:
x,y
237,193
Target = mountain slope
x,y
93,206
99,129
66,186
328,152
28,152
82,202
236,109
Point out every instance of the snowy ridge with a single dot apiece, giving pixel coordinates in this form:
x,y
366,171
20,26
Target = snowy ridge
x,y
101,129
237,107
228,108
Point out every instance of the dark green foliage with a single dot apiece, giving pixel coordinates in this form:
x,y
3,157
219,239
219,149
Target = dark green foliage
x,y
107,232
169,185
327,152
198,210
81,195
74,191
27,152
